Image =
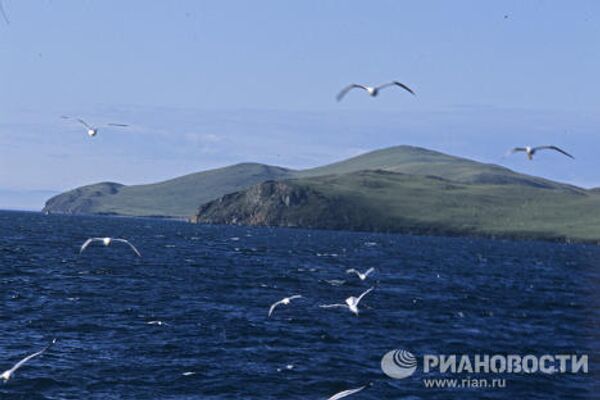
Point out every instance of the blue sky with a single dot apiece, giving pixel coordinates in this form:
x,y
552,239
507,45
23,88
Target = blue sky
x,y
209,83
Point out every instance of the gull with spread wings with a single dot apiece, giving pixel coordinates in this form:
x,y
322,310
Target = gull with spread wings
x,y
346,393
372,91
530,151
6,375
107,242
93,130
351,302
360,275
285,301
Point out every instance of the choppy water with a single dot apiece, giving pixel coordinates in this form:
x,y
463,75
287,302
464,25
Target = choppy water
x,y
212,287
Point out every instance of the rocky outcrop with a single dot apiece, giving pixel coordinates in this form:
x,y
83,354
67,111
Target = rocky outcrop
x,y
279,203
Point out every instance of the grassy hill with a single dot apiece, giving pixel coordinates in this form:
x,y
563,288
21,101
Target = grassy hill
x,y
386,201
420,161
402,189
177,197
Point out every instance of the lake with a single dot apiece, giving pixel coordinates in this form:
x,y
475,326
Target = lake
x,y
188,320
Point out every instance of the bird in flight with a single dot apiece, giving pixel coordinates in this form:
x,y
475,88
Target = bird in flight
x,y
373,91
360,274
285,301
93,130
346,393
532,150
351,302
107,241
6,375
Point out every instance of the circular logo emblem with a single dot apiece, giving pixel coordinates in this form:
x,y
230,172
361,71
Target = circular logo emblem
x,y
398,364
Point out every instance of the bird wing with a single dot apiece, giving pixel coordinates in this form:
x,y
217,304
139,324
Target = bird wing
x,y
396,83
114,124
363,295
296,296
367,272
273,306
84,123
29,357
554,148
130,245
517,149
87,243
346,393
348,88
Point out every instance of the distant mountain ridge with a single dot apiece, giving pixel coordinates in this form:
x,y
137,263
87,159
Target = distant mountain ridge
x,y
397,189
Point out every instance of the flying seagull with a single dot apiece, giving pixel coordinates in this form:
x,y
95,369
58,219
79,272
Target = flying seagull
x,y
107,241
351,302
285,300
346,393
6,375
532,150
359,274
93,130
372,90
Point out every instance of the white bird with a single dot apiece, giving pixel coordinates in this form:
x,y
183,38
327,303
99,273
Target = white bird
x,y
373,91
92,130
107,241
532,150
346,393
359,274
351,302
285,300
6,375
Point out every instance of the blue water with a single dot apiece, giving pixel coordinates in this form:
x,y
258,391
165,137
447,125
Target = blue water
x,y
212,287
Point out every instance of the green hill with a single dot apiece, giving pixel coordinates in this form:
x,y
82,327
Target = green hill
x,y
385,201
401,189
420,161
177,197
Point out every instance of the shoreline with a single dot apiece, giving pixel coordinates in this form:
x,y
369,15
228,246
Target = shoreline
x,y
425,232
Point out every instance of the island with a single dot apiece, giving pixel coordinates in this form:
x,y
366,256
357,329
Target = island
x,y
402,189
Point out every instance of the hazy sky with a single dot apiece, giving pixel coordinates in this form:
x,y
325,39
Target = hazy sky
x,y
209,83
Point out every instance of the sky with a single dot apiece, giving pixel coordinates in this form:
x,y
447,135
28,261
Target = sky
x,y
204,84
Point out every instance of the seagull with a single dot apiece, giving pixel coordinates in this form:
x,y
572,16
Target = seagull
x,y
351,302
346,393
285,300
6,375
532,150
107,241
372,90
92,130
359,274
